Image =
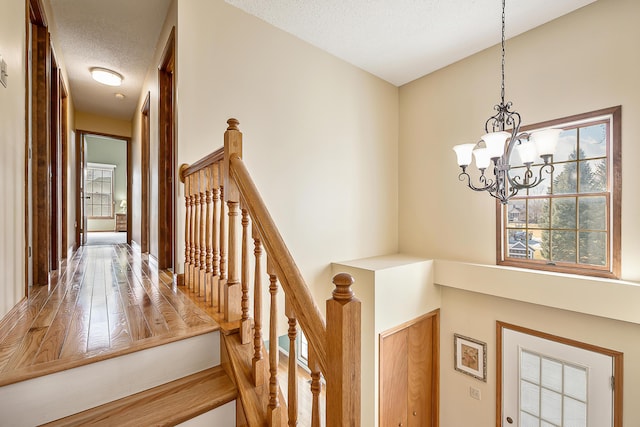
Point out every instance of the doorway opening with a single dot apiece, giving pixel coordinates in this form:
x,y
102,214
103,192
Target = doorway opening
x,y
103,189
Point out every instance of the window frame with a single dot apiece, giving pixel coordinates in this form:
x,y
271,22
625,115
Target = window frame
x,y
103,167
614,191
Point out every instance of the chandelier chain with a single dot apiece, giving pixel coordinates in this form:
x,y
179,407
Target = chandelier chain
x,y
503,52
499,144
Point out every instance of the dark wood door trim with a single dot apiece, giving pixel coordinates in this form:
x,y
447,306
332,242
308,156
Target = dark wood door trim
x,y
38,206
64,178
166,157
54,164
79,192
144,174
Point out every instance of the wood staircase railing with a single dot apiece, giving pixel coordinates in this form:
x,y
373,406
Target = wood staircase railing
x,y
224,211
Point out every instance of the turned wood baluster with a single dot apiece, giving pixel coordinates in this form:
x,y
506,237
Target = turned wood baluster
x,y
343,353
223,250
258,360
316,387
292,393
192,232
208,292
198,206
245,323
187,226
233,288
273,409
203,230
215,238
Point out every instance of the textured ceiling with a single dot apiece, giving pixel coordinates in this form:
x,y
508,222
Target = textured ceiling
x,y
396,40
120,35
401,40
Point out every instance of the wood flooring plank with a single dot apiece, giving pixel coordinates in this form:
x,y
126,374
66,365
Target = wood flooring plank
x,y
51,346
119,334
138,327
191,314
99,319
106,301
16,314
78,332
153,316
13,341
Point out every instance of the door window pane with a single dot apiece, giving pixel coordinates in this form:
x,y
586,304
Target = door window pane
x,y
575,413
552,374
552,392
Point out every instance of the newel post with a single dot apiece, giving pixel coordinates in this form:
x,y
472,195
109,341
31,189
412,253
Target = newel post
x,y
233,287
343,355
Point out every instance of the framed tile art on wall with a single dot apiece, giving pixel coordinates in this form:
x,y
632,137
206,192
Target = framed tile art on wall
x,y
470,356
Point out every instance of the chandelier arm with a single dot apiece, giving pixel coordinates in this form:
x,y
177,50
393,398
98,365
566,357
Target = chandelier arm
x,y
513,181
488,184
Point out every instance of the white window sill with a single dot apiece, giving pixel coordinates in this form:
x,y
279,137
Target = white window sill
x,y
613,299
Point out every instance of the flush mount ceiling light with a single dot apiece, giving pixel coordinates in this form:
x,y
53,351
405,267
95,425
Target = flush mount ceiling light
x,y
106,77
498,145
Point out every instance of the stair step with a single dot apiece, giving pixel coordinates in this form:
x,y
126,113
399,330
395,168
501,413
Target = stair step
x,y
165,405
237,357
46,398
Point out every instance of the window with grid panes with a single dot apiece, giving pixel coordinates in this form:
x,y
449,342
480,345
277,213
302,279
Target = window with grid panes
x,y
99,192
571,221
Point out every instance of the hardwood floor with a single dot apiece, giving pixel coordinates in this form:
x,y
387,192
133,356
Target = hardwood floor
x,y
105,302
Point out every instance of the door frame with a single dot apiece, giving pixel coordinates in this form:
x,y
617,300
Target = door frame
x,y
167,157
145,139
64,134
80,159
55,240
617,357
37,152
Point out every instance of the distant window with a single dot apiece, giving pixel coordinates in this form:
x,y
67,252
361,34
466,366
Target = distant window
x,y
99,191
571,221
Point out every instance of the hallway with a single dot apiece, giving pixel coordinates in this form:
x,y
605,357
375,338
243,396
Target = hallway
x,y
106,302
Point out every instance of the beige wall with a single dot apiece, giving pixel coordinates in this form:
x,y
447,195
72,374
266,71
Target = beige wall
x,y
100,124
581,62
320,136
12,155
150,87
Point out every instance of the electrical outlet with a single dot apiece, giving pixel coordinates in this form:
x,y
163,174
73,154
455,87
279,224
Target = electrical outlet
x,y
475,393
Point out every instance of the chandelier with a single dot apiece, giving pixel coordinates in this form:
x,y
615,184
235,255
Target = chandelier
x,y
497,146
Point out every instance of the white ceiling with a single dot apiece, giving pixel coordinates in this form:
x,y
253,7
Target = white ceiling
x,y
401,40
396,40
120,35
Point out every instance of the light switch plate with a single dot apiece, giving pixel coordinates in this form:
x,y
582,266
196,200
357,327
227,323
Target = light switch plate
x,y
3,72
475,393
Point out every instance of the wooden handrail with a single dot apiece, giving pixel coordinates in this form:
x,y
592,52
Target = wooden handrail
x,y
290,277
221,203
186,170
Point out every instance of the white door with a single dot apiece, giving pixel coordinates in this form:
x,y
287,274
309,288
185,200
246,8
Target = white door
x,y
548,383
